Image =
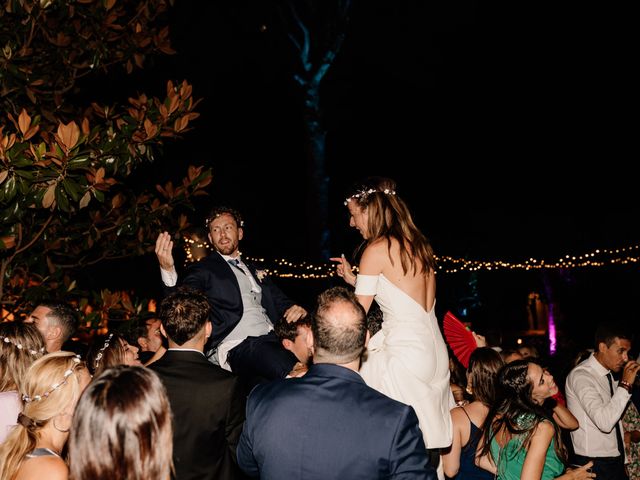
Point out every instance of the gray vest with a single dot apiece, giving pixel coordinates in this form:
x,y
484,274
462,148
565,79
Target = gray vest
x,y
254,321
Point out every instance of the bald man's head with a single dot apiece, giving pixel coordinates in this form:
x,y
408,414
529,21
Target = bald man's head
x,y
339,327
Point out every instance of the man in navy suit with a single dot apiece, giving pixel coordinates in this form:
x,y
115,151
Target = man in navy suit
x,y
244,303
329,424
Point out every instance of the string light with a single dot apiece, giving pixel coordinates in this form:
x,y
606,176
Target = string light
x,y
284,268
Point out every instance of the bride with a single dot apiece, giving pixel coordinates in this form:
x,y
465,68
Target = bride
x,y
407,359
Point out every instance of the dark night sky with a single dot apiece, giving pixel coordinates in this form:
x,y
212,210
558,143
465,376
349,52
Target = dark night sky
x,y
515,111
507,109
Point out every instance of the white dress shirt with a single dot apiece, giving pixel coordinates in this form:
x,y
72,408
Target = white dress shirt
x,y
590,401
169,277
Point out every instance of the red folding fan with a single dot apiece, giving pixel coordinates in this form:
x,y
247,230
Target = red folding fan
x,y
459,338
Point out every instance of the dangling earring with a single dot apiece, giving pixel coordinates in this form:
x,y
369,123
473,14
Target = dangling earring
x,y
62,430
468,389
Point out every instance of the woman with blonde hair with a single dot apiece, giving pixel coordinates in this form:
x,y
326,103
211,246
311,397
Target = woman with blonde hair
x,y
111,350
122,428
407,359
50,392
20,345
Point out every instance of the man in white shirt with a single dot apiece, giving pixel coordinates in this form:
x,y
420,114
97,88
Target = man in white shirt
x,y
245,304
598,402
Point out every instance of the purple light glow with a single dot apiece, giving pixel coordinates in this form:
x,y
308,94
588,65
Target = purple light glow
x,y
552,331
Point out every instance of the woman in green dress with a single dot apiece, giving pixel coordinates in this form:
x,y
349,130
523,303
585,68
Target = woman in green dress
x,y
521,440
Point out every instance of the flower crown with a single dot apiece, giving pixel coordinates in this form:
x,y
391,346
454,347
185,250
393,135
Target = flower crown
x,y
19,346
36,398
236,216
364,193
99,356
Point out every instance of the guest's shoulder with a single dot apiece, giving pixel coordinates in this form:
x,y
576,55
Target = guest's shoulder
x,y
584,368
218,372
270,390
207,263
49,467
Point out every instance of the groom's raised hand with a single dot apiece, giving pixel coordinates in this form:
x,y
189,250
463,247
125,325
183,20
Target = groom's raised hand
x,y
164,244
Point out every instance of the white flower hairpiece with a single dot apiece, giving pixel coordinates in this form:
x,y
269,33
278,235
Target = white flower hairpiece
x,y
364,193
19,346
96,362
209,220
36,398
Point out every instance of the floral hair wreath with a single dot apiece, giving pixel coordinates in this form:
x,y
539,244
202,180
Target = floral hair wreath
x,y
36,398
99,356
19,346
364,193
219,211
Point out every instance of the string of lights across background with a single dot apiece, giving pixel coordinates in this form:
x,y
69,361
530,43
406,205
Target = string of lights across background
x,y
283,268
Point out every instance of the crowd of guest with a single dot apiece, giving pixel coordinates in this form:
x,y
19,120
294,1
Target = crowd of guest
x,y
512,422
234,380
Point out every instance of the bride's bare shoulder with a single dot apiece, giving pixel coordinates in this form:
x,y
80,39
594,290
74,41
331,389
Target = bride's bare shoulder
x,y
377,250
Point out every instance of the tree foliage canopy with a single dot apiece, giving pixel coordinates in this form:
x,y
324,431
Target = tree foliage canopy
x,y
65,199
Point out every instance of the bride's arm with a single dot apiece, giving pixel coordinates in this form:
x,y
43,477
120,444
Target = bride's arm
x,y
371,263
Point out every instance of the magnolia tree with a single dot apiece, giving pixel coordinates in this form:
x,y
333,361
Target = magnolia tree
x,y
65,200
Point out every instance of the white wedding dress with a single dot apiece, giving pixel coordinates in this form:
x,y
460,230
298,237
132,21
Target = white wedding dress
x,y
407,359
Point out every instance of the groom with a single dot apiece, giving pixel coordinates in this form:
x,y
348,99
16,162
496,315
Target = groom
x,y
244,306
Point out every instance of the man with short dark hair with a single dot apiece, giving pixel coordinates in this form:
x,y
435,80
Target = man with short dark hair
x,y
56,322
294,337
207,402
145,332
329,424
598,402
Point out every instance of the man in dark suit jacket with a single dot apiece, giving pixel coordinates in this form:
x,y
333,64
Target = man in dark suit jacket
x,y
207,402
329,424
245,304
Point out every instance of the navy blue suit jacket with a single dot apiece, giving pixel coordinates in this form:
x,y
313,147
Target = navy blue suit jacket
x,y
330,425
214,276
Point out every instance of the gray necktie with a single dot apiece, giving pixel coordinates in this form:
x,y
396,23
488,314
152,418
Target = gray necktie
x,y
244,269
236,263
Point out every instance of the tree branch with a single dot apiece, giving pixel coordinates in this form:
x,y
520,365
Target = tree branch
x,y
305,47
35,237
